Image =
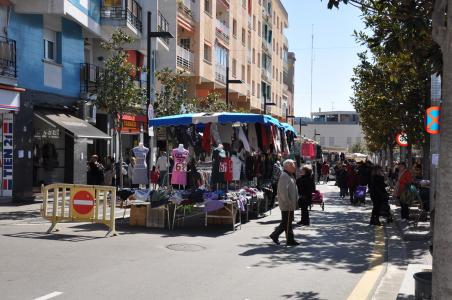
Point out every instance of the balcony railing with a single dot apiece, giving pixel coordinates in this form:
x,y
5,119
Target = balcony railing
x,y
8,65
267,74
186,7
185,59
89,79
266,46
163,26
220,73
130,12
222,31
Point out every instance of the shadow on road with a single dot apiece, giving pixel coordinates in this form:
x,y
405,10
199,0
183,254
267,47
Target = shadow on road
x,y
19,215
338,238
52,237
303,296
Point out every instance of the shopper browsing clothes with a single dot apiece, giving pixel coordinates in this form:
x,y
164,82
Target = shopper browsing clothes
x,y
287,199
306,186
378,194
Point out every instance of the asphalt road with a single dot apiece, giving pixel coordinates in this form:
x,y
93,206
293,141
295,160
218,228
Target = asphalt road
x,y
78,263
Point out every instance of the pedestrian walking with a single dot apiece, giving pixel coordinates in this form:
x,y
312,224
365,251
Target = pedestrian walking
x,y
306,186
352,182
341,179
318,167
95,174
325,172
287,199
378,194
405,178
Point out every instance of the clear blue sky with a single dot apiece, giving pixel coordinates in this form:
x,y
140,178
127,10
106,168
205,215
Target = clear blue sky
x,y
335,53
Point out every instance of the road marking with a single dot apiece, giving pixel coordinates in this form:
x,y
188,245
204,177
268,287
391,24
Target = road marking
x,y
49,296
370,278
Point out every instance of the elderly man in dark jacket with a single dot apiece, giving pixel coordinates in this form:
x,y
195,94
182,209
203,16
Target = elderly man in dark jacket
x,y
287,199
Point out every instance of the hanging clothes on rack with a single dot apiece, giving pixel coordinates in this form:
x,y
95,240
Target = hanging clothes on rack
x,y
252,137
244,139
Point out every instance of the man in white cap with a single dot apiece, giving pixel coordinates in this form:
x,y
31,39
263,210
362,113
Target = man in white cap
x,y
287,199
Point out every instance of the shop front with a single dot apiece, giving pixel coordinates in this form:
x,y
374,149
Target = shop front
x,y
132,134
9,106
60,147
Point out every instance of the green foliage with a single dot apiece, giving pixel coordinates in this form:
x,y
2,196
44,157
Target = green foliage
x,y
118,93
173,99
392,82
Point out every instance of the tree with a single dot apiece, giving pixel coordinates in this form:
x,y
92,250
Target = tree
x,y
118,94
172,98
358,148
441,18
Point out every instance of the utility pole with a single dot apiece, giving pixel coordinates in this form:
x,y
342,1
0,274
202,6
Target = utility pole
x,y
312,61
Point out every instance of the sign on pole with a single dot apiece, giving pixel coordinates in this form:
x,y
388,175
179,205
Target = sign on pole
x,y
83,202
432,119
402,139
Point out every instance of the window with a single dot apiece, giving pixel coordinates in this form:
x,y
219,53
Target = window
x,y
258,60
248,78
50,44
112,3
234,28
277,49
349,141
331,141
258,90
207,7
259,28
277,22
243,36
234,67
243,73
207,53
277,74
322,141
254,56
254,22
252,88
280,77
274,45
185,43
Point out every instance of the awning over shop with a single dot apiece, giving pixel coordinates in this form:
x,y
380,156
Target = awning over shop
x,y
289,127
223,118
10,97
77,127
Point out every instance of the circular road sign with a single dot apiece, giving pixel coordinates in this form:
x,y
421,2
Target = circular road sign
x,y
402,139
83,202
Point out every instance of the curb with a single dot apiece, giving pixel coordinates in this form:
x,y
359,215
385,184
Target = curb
x,y
378,266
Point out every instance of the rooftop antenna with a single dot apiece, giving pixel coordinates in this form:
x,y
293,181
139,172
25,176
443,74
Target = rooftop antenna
x,y
312,61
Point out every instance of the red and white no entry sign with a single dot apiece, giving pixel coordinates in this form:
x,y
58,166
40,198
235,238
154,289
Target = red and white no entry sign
x,y
83,202
402,139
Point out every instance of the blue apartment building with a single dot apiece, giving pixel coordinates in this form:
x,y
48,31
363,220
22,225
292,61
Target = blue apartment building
x,y
45,73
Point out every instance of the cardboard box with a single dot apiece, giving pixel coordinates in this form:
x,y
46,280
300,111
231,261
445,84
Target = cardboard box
x,y
138,214
156,217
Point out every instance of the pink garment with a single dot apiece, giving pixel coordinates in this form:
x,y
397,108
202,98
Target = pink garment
x,y
179,175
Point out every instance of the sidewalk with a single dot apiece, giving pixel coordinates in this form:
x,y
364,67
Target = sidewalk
x,y
406,253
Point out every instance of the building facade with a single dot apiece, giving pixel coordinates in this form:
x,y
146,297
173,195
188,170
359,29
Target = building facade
x,y
334,130
245,36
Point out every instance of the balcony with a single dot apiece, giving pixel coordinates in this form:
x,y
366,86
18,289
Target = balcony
x,y
286,41
266,46
8,67
186,7
163,26
89,79
267,74
220,73
185,59
222,31
266,16
130,13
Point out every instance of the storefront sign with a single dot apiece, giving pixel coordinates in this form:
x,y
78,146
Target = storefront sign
x,y
402,139
7,154
47,133
432,119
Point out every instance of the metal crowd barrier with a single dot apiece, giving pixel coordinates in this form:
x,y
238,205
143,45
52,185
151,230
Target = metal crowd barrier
x,y
79,203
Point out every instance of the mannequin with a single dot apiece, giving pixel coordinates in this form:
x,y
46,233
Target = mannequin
x,y
180,156
218,167
140,172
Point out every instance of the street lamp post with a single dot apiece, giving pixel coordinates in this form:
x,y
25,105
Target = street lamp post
x,y
151,34
229,81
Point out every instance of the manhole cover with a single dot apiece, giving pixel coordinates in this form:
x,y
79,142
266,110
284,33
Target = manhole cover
x,y
185,247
